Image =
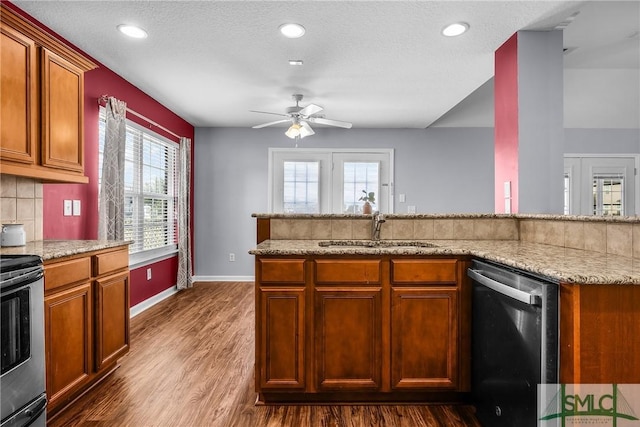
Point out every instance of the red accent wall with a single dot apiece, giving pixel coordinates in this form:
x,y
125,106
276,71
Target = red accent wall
x,y
163,276
506,122
98,82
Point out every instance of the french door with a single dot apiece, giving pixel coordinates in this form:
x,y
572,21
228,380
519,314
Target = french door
x,y
597,185
330,181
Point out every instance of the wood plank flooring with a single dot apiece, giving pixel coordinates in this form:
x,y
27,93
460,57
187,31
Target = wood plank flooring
x,y
191,364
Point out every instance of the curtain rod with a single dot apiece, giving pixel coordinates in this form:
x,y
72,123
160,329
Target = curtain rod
x,y
103,100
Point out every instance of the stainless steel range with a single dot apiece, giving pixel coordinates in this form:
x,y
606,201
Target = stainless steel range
x,y
22,378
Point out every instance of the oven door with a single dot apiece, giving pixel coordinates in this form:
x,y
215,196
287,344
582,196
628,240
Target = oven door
x,y
22,375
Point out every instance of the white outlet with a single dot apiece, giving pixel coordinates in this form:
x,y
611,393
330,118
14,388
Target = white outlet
x,y
76,208
68,208
148,274
232,257
411,209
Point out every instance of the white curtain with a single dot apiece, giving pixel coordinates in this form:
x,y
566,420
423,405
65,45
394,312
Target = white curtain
x,y
111,204
185,276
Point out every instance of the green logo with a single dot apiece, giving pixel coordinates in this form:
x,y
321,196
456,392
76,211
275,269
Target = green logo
x,y
585,405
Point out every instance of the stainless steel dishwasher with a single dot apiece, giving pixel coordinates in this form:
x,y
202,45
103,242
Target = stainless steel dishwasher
x,y
514,343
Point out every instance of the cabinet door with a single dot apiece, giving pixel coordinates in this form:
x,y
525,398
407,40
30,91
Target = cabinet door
x,y
19,97
62,113
112,319
424,338
281,338
348,338
68,339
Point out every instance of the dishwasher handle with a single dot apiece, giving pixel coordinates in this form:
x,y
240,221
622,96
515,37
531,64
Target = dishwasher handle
x,y
503,289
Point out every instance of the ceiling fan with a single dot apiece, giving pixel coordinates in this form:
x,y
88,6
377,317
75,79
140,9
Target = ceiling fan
x,y
300,117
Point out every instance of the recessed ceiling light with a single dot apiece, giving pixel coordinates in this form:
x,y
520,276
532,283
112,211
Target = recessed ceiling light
x,y
132,31
292,31
296,62
455,29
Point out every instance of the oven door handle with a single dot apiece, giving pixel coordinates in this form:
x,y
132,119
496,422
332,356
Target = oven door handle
x,y
503,289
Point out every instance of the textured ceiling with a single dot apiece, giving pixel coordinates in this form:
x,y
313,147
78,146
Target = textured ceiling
x,y
374,63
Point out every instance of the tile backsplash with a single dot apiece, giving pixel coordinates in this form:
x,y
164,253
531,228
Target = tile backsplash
x,y
21,203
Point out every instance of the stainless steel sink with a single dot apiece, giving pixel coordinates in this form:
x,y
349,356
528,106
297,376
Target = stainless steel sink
x,y
374,244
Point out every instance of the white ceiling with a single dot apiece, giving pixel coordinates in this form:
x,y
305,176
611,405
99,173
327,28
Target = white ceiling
x,y
378,64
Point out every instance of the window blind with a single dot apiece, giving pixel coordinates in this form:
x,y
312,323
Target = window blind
x,y
151,182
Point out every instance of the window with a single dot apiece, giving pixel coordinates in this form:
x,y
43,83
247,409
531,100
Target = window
x,y
329,181
608,193
150,194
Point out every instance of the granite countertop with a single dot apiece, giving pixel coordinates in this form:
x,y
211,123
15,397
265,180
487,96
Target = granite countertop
x,y
51,249
548,217
557,263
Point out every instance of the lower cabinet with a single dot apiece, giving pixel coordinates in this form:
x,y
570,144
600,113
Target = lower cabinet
x,y
348,338
68,341
371,328
86,322
282,330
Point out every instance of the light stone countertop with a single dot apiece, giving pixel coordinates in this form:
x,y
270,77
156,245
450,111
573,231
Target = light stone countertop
x,y
556,263
51,249
552,217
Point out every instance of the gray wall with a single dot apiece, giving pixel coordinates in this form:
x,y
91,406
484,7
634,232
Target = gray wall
x,y
440,170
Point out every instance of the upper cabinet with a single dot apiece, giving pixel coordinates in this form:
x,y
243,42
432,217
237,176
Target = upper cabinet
x,y
42,103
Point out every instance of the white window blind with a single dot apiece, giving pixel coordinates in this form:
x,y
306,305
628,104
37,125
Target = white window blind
x,y
150,193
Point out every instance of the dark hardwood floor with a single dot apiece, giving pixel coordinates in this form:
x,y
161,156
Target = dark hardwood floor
x,y
191,364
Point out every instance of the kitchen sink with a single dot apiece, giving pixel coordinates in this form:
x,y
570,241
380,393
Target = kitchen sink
x,y
374,244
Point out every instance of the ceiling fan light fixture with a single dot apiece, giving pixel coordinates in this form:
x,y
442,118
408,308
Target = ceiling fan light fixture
x,y
294,130
132,31
292,31
455,29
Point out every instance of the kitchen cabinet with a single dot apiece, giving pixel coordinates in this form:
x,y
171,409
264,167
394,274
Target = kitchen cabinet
x,y
362,328
42,106
424,323
281,349
348,324
599,334
86,321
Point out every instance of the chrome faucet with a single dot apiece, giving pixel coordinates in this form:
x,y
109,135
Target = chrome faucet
x,y
376,225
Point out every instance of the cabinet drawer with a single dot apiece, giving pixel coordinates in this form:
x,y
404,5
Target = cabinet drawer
x,y
111,261
348,271
282,271
66,273
424,271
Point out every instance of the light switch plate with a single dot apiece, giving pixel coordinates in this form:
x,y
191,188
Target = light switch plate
x,y
68,208
76,208
402,198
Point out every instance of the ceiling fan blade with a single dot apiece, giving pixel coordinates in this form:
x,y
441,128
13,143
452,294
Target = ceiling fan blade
x,y
305,130
329,122
310,109
270,123
268,112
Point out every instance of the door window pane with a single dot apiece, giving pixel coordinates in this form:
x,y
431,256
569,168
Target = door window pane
x,y
359,176
607,195
301,187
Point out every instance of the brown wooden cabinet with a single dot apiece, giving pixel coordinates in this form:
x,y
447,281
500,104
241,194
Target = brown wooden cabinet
x,y
361,328
86,321
68,341
42,103
424,323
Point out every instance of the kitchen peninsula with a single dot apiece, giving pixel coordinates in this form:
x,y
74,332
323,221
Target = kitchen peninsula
x,y
337,320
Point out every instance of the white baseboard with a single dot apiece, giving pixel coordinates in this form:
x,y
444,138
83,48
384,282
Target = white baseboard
x,y
223,278
150,302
